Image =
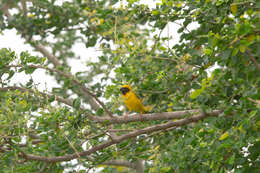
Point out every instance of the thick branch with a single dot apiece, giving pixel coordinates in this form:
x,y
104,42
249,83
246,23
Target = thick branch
x,y
139,166
39,47
146,117
133,134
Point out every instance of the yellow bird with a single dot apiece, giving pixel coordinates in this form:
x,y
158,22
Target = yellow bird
x,y
132,102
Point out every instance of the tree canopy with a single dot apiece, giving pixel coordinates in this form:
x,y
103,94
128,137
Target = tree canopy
x,y
204,88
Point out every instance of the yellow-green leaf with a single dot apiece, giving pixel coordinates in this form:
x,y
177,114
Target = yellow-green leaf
x,y
179,4
121,169
157,148
242,48
115,154
235,51
170,104
240,128
151,170
151,157
23,103
224,136
169,110
196,93
250,38
155,12
233,8
207,51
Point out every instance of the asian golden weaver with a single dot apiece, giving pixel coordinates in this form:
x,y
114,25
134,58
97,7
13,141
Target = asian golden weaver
x,y
132,102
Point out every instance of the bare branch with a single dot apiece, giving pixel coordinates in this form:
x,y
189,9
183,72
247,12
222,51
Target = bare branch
x,y
39,47
146,117
43,168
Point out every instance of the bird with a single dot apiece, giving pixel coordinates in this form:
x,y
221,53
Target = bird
x,y
131,100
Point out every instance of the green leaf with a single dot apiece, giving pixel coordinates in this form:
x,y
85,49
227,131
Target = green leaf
x,y
196,93
235,51
224,136
207,51
100,111
165,169
10,74
29,70
76,103
51,98
242,48
252,113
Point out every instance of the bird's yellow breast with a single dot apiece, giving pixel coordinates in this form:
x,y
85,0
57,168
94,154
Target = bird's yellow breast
x,y
133,103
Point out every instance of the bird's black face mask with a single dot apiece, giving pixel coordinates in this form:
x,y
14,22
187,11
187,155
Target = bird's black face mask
x,y
124,90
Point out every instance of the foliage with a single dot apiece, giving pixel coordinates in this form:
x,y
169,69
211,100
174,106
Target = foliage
x,y
214,66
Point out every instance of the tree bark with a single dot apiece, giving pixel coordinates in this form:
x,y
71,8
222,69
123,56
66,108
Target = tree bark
x,y
139,166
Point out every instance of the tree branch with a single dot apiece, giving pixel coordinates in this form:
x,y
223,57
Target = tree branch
x,y
139,166
39,47
146,117
57,98
84,90
116,119
43,168
253,59
133,134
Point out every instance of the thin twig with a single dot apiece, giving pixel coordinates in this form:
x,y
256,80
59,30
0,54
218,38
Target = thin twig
x,y
156,41
253,59
72,146
43,168
24,7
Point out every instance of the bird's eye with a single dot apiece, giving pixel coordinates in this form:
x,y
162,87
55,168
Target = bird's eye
x,y
124,90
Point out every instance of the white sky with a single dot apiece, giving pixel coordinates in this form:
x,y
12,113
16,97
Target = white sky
x,y
10,40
